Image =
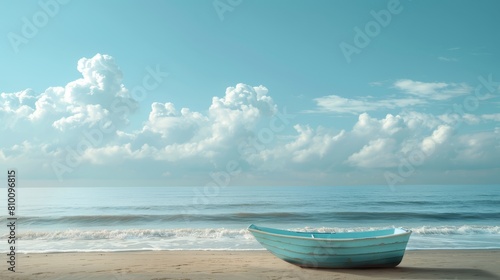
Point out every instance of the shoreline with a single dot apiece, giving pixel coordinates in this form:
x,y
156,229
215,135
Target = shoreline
x,y
244,264
222,250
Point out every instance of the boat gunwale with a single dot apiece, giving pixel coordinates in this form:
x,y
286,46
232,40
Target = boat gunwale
x,y
406,232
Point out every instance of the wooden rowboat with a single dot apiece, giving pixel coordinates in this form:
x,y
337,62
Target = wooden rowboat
x,y
378,248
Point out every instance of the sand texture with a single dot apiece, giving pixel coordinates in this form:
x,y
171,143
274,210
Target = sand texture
x,y
435,264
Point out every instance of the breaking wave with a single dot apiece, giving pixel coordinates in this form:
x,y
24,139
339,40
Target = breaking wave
x,y
223,233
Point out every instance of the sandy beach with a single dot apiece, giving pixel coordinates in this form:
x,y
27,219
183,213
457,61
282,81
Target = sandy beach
x,y
435,264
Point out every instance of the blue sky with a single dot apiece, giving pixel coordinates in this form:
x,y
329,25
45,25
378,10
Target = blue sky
x,y
250,92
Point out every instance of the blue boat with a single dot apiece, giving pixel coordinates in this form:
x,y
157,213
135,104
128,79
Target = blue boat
x,y
378,248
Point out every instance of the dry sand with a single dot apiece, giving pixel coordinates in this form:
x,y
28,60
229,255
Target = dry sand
x,y
437,264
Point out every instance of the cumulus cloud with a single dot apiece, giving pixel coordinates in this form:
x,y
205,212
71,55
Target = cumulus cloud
x,y
306,149
82,126
172,125
182,134
311,144
367,125
16,100
376,154
371,143
477,150
15,107
439,136
80,103
54,119
243,96
377,144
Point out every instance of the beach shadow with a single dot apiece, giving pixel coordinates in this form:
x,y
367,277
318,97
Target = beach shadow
x,y
424,273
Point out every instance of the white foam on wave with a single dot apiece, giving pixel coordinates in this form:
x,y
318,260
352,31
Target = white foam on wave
x,y
123,234
105,240
457,230
421,230
222,233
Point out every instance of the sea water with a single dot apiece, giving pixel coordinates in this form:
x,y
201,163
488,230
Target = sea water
x,y
197,218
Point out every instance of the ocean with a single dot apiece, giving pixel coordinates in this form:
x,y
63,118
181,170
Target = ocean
x,y
197,218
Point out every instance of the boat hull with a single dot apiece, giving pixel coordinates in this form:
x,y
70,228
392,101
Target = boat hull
x,y
384,248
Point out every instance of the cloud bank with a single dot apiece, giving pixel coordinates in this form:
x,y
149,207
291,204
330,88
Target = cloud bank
x,y
81,130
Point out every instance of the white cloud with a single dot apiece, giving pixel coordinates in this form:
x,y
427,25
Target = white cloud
x,y
337,104
240,109
420,94
371,143
99,94
310,144
417,120
307,149
447,59
455,119
242,96
377,153
174,126
471,119
184,134
434,91
389,125
174,142
438,137
15,100
58,115
376,84
100,74
491,117
87,115
477,151
49,103
53,122
15,107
